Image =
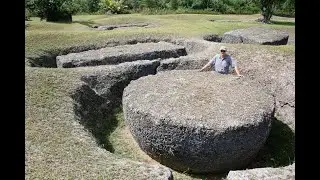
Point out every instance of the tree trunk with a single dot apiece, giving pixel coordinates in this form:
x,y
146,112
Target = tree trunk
x,y
267,7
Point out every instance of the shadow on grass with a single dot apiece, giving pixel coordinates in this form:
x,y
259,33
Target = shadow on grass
x,y
95,114
284,23
279,149
109,124
86,23
221,176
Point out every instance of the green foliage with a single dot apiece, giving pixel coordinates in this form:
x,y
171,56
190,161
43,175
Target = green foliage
x,y
113,6
52,10
280,7
285,8
197,5
80,6
148,3
132,4
186,3
93,5
267,8
174,4
27,15
219,6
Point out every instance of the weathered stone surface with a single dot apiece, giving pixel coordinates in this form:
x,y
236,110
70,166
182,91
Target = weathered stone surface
x,y
109,81
47,58
284,173
275,72
212,37
198,55
182,63
198,121
119,54
256,35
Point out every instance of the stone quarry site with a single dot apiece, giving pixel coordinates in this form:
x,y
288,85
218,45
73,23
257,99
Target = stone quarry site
x,y
124,98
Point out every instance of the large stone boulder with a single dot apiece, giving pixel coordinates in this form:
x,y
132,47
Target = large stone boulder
x,y
287,173
256,35
199,53
120,54
212,37
109,81
183,63
276,73
198,121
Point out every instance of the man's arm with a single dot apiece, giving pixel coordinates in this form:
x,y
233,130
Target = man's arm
x,y
237,71
205,66
234,64
211,62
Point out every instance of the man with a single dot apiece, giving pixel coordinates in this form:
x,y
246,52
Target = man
x,y
222,62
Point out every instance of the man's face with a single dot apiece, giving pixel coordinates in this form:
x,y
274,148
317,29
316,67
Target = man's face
x,y
223,52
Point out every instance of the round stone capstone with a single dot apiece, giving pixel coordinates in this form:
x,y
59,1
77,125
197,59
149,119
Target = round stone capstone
x,y
198,122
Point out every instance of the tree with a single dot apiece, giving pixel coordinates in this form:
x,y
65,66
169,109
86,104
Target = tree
x,y
93,5
267,8
53,10
174,4
206,3
114,6
149,3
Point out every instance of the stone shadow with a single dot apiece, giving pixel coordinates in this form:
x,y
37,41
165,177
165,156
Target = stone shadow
x,y
284,23
279,149
95,114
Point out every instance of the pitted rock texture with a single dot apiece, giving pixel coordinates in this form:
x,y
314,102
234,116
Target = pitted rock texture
x,y
212,37
281,173
276,73
120,54
199,53
256,35
198,121
109,81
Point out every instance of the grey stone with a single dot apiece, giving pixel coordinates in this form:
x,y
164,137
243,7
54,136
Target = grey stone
x,y
281,173
198,55
256,35
276,73
212,37
119,54
109,81
198,121
183,63
193,46
47,58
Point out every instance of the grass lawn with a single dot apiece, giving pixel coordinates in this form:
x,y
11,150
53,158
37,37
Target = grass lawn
x,y
57,146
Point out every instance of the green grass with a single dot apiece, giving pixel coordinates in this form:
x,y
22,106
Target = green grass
x,y
41,35
56,144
